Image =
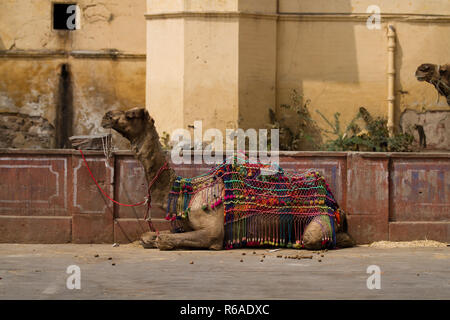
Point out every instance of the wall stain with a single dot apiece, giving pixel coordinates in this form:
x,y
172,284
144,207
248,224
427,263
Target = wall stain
x,y
64,109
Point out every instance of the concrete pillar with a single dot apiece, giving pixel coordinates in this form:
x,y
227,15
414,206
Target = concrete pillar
x,y
213,61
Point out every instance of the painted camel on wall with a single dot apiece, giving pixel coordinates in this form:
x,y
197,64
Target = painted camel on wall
x,y
201,229
438,76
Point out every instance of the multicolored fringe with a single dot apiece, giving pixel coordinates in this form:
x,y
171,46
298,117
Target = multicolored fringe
x,y
264,206
183,189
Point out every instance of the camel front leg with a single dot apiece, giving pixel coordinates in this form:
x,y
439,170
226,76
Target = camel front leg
x,y
200,239
148,239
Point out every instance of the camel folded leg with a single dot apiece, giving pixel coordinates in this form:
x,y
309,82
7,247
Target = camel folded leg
x,y
193,239
148,239
312,238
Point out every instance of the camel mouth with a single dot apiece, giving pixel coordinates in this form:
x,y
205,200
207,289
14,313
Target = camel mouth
x,y
107,125
107,122
421,78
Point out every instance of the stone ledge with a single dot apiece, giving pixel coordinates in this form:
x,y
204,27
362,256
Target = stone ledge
x,y
78,54
358,17
362,17
443,154
210,14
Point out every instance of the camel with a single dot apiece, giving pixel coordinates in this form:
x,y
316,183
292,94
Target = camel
x,y
201,230
438,76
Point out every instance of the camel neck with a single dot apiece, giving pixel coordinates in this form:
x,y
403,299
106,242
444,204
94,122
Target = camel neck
x,y
148,151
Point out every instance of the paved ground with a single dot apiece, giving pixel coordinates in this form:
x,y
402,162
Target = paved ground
x,y
39,272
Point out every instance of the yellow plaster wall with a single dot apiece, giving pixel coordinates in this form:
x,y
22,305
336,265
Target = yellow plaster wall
x,y
432,7
322,48
340,64
225,62
211,76
165,73
100,82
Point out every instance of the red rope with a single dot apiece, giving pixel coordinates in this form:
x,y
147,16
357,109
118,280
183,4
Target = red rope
x,y
164,167
106,195
148,200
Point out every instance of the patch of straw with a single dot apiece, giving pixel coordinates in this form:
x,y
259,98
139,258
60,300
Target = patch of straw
x,y
408,244
136,244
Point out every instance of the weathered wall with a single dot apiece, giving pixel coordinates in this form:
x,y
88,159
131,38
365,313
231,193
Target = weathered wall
x,y
397,196
360,6
218,66
435,126
224,62
105,58
326,51
321,48
28,88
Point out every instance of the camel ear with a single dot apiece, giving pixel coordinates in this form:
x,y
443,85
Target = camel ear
x,y
442,70
134,113
148,117
146,114
424,67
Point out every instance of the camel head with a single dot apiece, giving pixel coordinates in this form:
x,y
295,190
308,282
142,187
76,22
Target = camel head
x,y
130,124
428,72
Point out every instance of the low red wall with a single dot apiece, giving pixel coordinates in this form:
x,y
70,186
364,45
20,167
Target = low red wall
x,y
47,196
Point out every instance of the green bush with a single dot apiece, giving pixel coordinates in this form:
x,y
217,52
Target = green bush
x,y
375,137
305,134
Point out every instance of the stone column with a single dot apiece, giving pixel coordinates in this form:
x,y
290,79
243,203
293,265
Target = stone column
x,y
213,61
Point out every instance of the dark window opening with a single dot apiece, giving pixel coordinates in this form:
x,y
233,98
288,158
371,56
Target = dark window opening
x,y
65,16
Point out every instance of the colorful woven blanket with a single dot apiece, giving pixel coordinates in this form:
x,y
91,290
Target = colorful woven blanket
x,y
264,206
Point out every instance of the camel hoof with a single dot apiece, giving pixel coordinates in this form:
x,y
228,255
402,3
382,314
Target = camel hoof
x,y
148,245
164,242
148,240
343,240
216,246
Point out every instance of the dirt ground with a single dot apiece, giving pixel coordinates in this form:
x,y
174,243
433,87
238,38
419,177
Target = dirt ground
x,y
129,272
